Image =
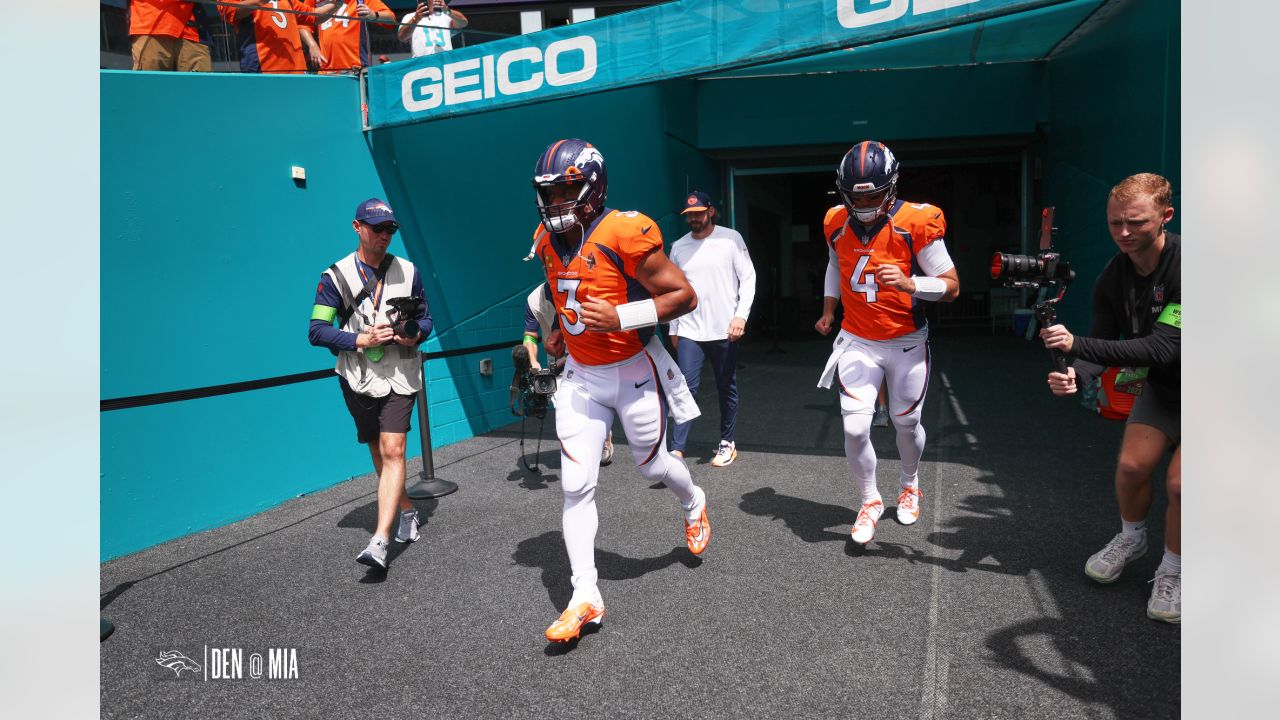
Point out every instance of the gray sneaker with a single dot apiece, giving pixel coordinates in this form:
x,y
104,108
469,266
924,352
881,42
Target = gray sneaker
x,y
375,555
1166,598
407,531
1107,564
881,418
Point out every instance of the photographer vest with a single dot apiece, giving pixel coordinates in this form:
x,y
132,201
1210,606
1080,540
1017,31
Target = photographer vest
x,y
399,369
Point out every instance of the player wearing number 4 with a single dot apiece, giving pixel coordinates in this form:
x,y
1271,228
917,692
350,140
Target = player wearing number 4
x,y
610,284
886,257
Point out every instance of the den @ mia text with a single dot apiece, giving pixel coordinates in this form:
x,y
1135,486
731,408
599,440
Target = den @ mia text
x,y
236,664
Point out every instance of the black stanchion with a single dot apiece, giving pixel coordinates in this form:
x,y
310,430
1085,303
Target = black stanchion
x,y
427,485
105,628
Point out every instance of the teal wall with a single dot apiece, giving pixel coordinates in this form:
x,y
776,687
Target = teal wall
x,y
210,259
1114,111
842,108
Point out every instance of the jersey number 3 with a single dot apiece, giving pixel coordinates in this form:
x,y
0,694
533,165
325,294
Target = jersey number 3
x,y
868,285
570,289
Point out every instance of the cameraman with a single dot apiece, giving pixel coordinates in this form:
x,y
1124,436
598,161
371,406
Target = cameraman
x,y
379,370
540,321
1138,297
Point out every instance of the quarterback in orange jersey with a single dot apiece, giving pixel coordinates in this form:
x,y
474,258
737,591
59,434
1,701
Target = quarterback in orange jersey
x,y
886,257
611,284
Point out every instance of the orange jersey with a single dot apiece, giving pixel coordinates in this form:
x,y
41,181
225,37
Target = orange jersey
x,y
873,312
345,43
268,37
170,18
604,268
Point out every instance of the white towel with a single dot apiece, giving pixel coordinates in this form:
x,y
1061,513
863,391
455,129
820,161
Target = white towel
x,y
843,341
680,403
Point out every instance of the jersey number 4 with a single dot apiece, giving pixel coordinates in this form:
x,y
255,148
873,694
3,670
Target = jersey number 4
x,y
570,289
868,286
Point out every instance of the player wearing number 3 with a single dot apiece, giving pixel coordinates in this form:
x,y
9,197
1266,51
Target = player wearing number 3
x,y
886,256
611,284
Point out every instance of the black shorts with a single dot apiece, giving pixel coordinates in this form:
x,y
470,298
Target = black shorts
x,y
374,416
1161,409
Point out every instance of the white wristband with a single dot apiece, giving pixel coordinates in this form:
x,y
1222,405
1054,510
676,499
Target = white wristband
x,y
642,313
929,288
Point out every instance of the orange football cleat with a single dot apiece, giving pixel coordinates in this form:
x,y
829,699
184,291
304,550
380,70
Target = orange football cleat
x,y
570,623
698,533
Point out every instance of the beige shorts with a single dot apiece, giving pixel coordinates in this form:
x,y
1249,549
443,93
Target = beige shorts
x,y
161,52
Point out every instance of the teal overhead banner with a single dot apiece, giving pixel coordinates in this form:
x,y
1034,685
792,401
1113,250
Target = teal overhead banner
x,y
676,39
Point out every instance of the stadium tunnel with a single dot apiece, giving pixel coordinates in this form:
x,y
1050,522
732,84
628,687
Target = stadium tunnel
x,y
991,119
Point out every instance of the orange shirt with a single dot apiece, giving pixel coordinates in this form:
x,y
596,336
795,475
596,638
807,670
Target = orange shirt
x,y
268,38
605,268
169,18
345,43
870,311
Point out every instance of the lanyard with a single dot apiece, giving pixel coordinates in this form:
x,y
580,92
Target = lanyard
x,y
377,292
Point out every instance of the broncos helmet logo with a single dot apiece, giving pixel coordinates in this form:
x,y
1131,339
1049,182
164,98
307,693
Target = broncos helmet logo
x,y
177,662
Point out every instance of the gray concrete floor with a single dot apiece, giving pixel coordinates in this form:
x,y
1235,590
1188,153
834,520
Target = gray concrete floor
x,y
980,610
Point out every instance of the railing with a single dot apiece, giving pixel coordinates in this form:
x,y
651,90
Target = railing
x,y
426,486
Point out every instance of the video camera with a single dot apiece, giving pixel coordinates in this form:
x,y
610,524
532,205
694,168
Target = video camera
x,y
533,389
403,315
1041,271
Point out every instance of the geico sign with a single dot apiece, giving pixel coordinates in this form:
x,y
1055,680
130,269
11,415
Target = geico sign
x,y
851,17
481,78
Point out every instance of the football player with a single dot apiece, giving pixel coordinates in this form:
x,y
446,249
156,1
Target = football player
x,y
886,257
610,283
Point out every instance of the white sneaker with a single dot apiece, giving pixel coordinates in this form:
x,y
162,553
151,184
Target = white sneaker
x,y
725,454
864,528
1166,598
909,505
1106,565
375,555
881,418
606,453
407,531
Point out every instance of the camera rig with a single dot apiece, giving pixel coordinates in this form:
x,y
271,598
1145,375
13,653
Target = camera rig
x,y
531,392
1045,271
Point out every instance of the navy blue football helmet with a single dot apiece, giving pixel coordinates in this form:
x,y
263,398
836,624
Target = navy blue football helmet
x,y
571,184
868,172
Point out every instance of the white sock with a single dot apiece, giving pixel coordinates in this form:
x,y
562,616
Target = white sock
x,y
694,510
909,482
874,496
1133,530
1172,563
589,594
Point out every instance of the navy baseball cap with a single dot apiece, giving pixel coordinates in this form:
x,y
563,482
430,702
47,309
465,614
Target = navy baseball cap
x,y
375,212
696,201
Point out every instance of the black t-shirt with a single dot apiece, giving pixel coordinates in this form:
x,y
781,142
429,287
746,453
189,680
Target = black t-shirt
x,y
1126,307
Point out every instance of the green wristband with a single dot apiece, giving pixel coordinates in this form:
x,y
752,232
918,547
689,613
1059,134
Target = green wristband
x,y
1172,315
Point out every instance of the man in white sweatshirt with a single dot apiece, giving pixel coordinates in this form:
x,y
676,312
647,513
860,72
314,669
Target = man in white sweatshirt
x,y
715,260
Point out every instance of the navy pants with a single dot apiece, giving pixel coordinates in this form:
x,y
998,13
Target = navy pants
x,y
690,354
